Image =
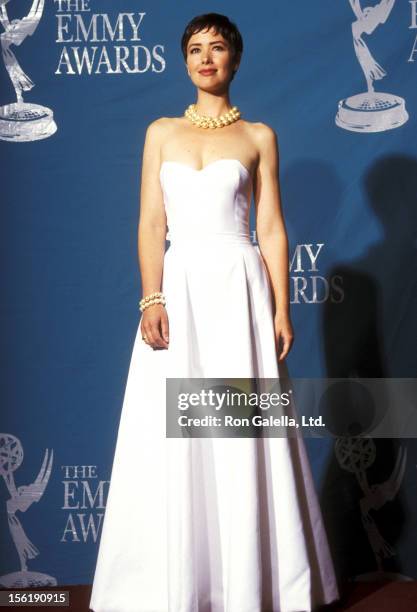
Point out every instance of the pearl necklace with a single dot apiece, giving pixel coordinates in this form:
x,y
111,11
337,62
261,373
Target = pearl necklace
x,y
204,121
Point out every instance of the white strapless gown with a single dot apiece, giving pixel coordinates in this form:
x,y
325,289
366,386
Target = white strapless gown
x,y
205,524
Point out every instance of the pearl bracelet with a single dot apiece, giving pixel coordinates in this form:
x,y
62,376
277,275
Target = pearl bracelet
x,y
154,298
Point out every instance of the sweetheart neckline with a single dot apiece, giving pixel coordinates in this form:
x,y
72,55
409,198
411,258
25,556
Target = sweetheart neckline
x,y
198,170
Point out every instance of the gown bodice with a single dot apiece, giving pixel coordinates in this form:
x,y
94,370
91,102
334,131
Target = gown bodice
x,y
213,202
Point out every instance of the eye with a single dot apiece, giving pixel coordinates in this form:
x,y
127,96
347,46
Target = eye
x,y
219,47
194,49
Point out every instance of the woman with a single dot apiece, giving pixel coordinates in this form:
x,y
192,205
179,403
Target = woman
x,y
213,524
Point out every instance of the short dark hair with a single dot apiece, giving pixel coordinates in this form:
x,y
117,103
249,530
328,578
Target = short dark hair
x,y
222,25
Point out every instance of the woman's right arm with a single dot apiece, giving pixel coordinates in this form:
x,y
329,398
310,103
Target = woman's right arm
x,y
151,236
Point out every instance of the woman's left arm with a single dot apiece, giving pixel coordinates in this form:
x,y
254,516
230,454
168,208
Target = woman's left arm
x,y
272,235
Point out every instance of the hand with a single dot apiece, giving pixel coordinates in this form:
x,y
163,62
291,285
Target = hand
x,y
284,335
155,327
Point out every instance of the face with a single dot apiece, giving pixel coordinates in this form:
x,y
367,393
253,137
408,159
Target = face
x,y
210,63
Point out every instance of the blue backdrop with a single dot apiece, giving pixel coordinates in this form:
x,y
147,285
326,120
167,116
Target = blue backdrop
x,y
71,162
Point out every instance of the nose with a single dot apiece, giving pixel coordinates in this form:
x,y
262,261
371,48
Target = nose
x,y
206,57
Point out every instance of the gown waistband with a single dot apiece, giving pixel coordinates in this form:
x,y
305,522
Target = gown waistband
x,y
210,236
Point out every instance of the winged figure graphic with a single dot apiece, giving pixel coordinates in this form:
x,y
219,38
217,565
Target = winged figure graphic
x,y
21,498
367,20
15,32
376,496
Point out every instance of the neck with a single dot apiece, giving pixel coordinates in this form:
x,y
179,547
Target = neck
x,y
212,105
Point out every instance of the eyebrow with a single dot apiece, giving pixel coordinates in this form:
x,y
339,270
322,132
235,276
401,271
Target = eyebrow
x,y
214,42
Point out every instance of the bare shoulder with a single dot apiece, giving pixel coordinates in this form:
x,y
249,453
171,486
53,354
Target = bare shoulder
x,y
158,128
263,134
262,137
162,125
264,141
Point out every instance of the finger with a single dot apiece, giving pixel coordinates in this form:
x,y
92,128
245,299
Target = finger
x,y
280,344
149,335
278,340
165,327
287,341
143,333
158,341
161,330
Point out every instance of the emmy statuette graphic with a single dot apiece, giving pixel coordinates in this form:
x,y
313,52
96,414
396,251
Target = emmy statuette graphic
x,y
356,455
21,498
22,121
370,111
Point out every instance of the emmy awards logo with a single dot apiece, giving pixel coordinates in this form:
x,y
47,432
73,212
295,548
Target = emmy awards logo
x,y
22,121
21,498
370,111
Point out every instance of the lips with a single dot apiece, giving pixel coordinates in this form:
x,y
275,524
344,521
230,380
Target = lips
x,y
207,72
